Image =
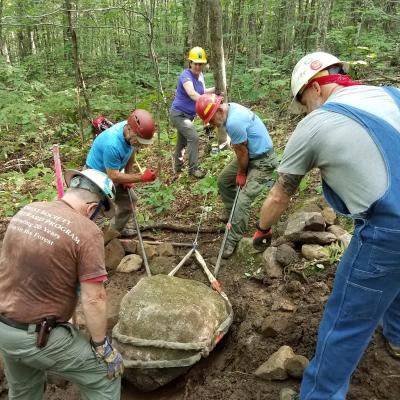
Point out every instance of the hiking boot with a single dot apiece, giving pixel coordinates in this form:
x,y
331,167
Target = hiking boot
x,y
197,173
393,350
224,216
228,251
288,394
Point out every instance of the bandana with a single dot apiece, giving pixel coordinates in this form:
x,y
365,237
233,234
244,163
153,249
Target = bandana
x,y
342,80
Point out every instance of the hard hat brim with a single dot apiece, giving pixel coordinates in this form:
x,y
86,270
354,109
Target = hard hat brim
x,y
198,61
144,141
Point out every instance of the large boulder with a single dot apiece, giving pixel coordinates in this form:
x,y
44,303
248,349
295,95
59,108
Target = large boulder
x,y
166,324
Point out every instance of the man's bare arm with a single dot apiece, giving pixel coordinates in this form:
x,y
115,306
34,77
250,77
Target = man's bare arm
x,y
278,200
242,155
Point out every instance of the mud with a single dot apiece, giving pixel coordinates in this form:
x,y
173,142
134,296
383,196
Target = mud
x,y
228,372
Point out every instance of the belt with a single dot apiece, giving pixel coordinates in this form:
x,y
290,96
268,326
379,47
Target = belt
x,y
262,155
20,325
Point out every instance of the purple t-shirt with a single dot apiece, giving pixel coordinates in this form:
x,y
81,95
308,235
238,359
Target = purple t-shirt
x,y
182,101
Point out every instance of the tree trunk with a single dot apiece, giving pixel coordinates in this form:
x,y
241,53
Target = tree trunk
x,y
200,24
217,52
324,13
80,83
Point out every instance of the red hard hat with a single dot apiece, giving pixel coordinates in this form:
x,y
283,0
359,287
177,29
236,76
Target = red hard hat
x,y
142,123
206,106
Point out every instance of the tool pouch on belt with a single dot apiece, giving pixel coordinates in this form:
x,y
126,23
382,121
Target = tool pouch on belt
x,y
46,327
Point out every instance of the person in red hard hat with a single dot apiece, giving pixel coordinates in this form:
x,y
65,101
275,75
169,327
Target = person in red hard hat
x,y
253,166
114,151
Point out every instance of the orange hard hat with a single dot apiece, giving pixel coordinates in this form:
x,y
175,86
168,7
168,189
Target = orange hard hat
x,y
142,123
207,105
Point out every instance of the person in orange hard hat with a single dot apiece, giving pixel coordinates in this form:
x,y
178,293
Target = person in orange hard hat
x,y
190,87
252,169
113,152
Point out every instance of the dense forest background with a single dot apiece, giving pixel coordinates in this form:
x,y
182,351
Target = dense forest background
x,y
63,63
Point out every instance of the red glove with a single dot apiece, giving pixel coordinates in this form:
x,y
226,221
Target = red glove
x,y
241,179
128,185
148,175
262,238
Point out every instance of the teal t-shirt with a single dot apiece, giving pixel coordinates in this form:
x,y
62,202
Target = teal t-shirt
x,y
243,125
110,150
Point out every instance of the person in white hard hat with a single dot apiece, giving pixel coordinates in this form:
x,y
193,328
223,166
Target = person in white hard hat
x,y
60,254
352,135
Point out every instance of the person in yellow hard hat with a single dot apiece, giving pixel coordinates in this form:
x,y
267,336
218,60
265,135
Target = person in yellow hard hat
x,y
190,87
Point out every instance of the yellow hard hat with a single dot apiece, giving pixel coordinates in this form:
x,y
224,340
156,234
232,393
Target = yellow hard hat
x,y
198,55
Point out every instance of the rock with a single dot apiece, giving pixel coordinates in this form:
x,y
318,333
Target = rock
x,y
130,263
286,255
114,253
310,221
110,234
165,250
314,252
274,367
329,215
169,309
272,268
296,365
130,246
281,304
341,234
273,325
314,237
150,250
287,394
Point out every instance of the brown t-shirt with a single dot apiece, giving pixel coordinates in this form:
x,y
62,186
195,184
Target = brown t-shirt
x,y
47,250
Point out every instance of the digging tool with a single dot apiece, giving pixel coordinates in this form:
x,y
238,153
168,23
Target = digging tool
x,y
227,230
141,170
146,263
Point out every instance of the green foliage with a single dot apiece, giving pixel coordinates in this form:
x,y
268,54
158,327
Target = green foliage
x,y
206,185
18,189
158,196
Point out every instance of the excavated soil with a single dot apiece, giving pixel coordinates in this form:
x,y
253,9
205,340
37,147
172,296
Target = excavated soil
x,y
228,372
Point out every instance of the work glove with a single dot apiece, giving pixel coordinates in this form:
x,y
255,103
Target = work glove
x,y
241,179
262,238
128,185
148,175
113,360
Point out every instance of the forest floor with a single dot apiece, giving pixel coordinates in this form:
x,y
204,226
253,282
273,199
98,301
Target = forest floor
x,y
228,372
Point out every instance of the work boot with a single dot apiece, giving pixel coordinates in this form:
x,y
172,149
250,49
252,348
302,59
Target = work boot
x,y
224,216
393,350
228,251
197,173
288,394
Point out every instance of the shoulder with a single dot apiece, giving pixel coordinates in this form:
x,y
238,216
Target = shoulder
x,y
186,76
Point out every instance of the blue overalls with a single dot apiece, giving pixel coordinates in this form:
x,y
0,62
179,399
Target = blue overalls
x,y
367,284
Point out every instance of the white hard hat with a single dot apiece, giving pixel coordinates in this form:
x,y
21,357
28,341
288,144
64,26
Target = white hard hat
x,y
96,182
304,70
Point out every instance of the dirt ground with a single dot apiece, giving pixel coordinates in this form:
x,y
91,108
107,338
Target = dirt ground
x,y
228,372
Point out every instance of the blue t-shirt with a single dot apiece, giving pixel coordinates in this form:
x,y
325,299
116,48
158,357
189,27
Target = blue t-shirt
x,y
110,150
182,101
243,125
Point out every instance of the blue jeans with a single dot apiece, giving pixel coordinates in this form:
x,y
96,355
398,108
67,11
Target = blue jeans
x,y
366,291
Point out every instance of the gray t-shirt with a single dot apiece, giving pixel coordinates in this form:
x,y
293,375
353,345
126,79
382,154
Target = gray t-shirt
x,y
348,159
